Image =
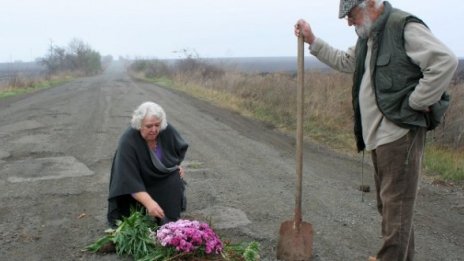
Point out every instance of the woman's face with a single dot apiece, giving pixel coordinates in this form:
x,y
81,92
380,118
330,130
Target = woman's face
x,y
150,128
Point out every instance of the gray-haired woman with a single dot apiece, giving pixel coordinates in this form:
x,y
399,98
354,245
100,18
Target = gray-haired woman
x,y
146,171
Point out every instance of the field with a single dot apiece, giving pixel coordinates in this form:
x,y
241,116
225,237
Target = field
x,y
11,74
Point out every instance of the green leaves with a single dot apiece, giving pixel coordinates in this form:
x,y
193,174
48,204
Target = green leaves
x,y
251,252
242,251
132,235
100,243
132,238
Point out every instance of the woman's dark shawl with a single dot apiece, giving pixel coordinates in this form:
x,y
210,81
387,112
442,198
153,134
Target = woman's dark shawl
x,y
136,169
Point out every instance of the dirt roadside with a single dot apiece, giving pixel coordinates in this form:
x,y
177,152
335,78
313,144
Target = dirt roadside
x,y
56,150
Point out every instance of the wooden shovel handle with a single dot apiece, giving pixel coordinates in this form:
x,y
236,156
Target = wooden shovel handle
x,y
299,131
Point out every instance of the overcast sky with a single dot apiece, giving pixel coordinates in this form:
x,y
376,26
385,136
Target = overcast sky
x,y
211,28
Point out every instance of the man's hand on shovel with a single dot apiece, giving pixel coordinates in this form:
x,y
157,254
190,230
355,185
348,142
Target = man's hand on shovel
x,y
302,27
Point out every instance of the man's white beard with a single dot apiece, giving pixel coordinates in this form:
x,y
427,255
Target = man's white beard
x,y
364,30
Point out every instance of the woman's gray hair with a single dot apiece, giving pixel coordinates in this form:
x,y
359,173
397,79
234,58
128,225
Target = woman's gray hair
x,y
148,109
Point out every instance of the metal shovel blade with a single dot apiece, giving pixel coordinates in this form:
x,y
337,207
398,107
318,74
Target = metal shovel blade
x,y
295,244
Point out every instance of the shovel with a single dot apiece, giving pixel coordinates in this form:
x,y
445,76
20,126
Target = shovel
x,y
296,236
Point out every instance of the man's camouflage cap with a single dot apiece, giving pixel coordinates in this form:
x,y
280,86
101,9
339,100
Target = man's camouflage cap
x,y
346,6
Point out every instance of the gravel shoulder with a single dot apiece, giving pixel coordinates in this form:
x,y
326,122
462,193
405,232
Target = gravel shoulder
x,y
55,156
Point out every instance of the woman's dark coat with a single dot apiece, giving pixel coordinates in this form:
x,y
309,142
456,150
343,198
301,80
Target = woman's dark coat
x,y
136,169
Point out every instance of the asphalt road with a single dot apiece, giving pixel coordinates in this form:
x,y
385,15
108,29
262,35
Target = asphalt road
x,y
56,150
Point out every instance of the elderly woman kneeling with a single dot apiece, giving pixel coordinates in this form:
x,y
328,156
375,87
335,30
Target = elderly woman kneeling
x,y
146,171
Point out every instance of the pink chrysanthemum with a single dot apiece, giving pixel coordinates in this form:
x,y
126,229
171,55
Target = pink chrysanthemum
x,y
187,236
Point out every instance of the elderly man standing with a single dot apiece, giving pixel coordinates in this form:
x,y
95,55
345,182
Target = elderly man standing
x,y
400,74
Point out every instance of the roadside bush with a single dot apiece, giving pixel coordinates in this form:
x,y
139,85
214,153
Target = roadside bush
x,y
151,68
78,58
198,68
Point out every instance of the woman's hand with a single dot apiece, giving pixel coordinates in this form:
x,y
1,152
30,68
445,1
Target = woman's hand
x,y
153,209
181,171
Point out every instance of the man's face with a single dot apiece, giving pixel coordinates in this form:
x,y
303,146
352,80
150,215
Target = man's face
x,y
359,17
150,128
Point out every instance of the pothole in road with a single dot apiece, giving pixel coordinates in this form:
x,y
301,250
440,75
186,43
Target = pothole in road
x,y
20,126
31,170
4,154
37,143
224,217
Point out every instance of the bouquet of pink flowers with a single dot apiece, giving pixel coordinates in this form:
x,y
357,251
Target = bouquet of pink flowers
x,y
138,236
188,236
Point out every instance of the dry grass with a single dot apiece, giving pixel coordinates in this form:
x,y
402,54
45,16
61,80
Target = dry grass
x,y
20,83
451,132
272,98
445,164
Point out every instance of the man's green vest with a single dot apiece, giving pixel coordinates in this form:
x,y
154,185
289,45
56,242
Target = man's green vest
x,y
394,75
